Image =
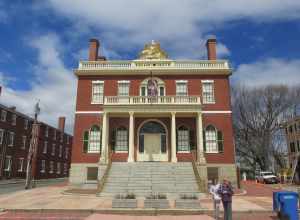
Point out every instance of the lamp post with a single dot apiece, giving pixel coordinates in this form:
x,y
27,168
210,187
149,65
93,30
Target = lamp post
x,y
31,158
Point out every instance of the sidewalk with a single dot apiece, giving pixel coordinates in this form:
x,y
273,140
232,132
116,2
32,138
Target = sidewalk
x,y
16,181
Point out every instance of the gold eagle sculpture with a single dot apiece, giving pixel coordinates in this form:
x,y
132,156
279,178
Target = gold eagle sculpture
x,y
152,51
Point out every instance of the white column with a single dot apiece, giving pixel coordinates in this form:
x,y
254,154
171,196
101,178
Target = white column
x,y
200,148
104,144
173,138
131,138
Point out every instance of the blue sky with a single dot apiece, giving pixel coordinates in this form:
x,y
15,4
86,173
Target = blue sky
x,y
42,41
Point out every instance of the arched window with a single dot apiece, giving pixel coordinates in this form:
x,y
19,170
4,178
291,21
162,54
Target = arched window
x,y
161,91
121,143
183,139
213,140
92,140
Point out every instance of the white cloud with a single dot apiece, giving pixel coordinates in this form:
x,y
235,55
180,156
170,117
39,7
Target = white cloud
x,y
54,85
268,71
180,25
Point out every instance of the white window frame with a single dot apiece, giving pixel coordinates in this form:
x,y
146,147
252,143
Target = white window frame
x,y
208,97
178,82
60,150
121,138
9,163
3,115
68,139
53,149
97,100
24,139
126,88
66,152
212,141
45,147
179,136
22,163
1,135
94,144
43,166
14,119
51,167
65,168
11,139
26,122
61,136
58,168
46,131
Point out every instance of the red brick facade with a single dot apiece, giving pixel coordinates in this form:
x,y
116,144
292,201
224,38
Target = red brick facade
x,y
217,114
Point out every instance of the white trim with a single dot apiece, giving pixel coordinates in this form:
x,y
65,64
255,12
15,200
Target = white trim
x,y
123,81
207,81
216,112
98,81
181,81
89,112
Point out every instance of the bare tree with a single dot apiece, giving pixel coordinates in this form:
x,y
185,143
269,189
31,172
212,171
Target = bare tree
x,y
257,115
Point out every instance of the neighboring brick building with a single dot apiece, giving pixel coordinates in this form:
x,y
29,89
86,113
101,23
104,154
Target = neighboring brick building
x,y
54,146
292,132
153,109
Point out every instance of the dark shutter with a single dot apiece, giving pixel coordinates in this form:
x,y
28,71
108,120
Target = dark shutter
x,y
100,140
127,140
220,142
163,143
113,139
141,143
85,141
192,140
204,142
176,141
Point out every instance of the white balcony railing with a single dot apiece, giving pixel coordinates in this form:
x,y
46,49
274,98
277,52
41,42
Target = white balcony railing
x,y
153,64
159,100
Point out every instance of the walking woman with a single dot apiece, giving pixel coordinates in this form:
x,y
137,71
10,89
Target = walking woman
x,y
226,192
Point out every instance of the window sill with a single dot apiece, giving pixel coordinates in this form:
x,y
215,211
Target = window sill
x,y
217,152
7,170
183,152
96,103
120,152
209,103
43,171
20,171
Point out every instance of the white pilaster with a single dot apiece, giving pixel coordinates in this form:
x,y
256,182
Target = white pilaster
x,y
104,144
200,149
131,138
173,138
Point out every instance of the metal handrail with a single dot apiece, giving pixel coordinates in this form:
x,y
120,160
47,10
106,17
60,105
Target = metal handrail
x,y
103,180
200,182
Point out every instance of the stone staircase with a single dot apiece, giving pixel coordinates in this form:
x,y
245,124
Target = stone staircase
x,y
144,178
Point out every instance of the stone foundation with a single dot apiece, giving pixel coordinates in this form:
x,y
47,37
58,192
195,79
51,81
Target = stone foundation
x,y
78,173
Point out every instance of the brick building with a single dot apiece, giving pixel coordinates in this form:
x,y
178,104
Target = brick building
x,y
153,109
292,132
53,152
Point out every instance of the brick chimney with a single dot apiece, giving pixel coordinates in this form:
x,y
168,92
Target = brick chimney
x,y
211,48
61,123
94,47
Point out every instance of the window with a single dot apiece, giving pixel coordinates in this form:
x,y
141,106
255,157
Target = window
x,y
43,166
13,119
53,150
68,140
97,92
66,152
208,92
1,135
8,162
291,129
65,168
45,147
298,145
121,140
211,140
20,164
161,91
123,88
3,115
51,167
143,91
183,139
58,168
92,140
181,88
61,137
60,150
46,131
23,142
25,124
292,147
11,139
54,134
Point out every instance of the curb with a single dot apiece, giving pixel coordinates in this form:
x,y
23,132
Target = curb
x,y
139,211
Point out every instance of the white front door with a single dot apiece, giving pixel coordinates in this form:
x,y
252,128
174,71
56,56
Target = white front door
x,y
152,149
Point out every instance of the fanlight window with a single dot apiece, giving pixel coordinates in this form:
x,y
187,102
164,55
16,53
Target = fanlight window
x,y
92,140
213,140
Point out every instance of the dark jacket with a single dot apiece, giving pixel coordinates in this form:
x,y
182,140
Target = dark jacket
x,y
226,192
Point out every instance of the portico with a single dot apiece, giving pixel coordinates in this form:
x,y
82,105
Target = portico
x,y
150,139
